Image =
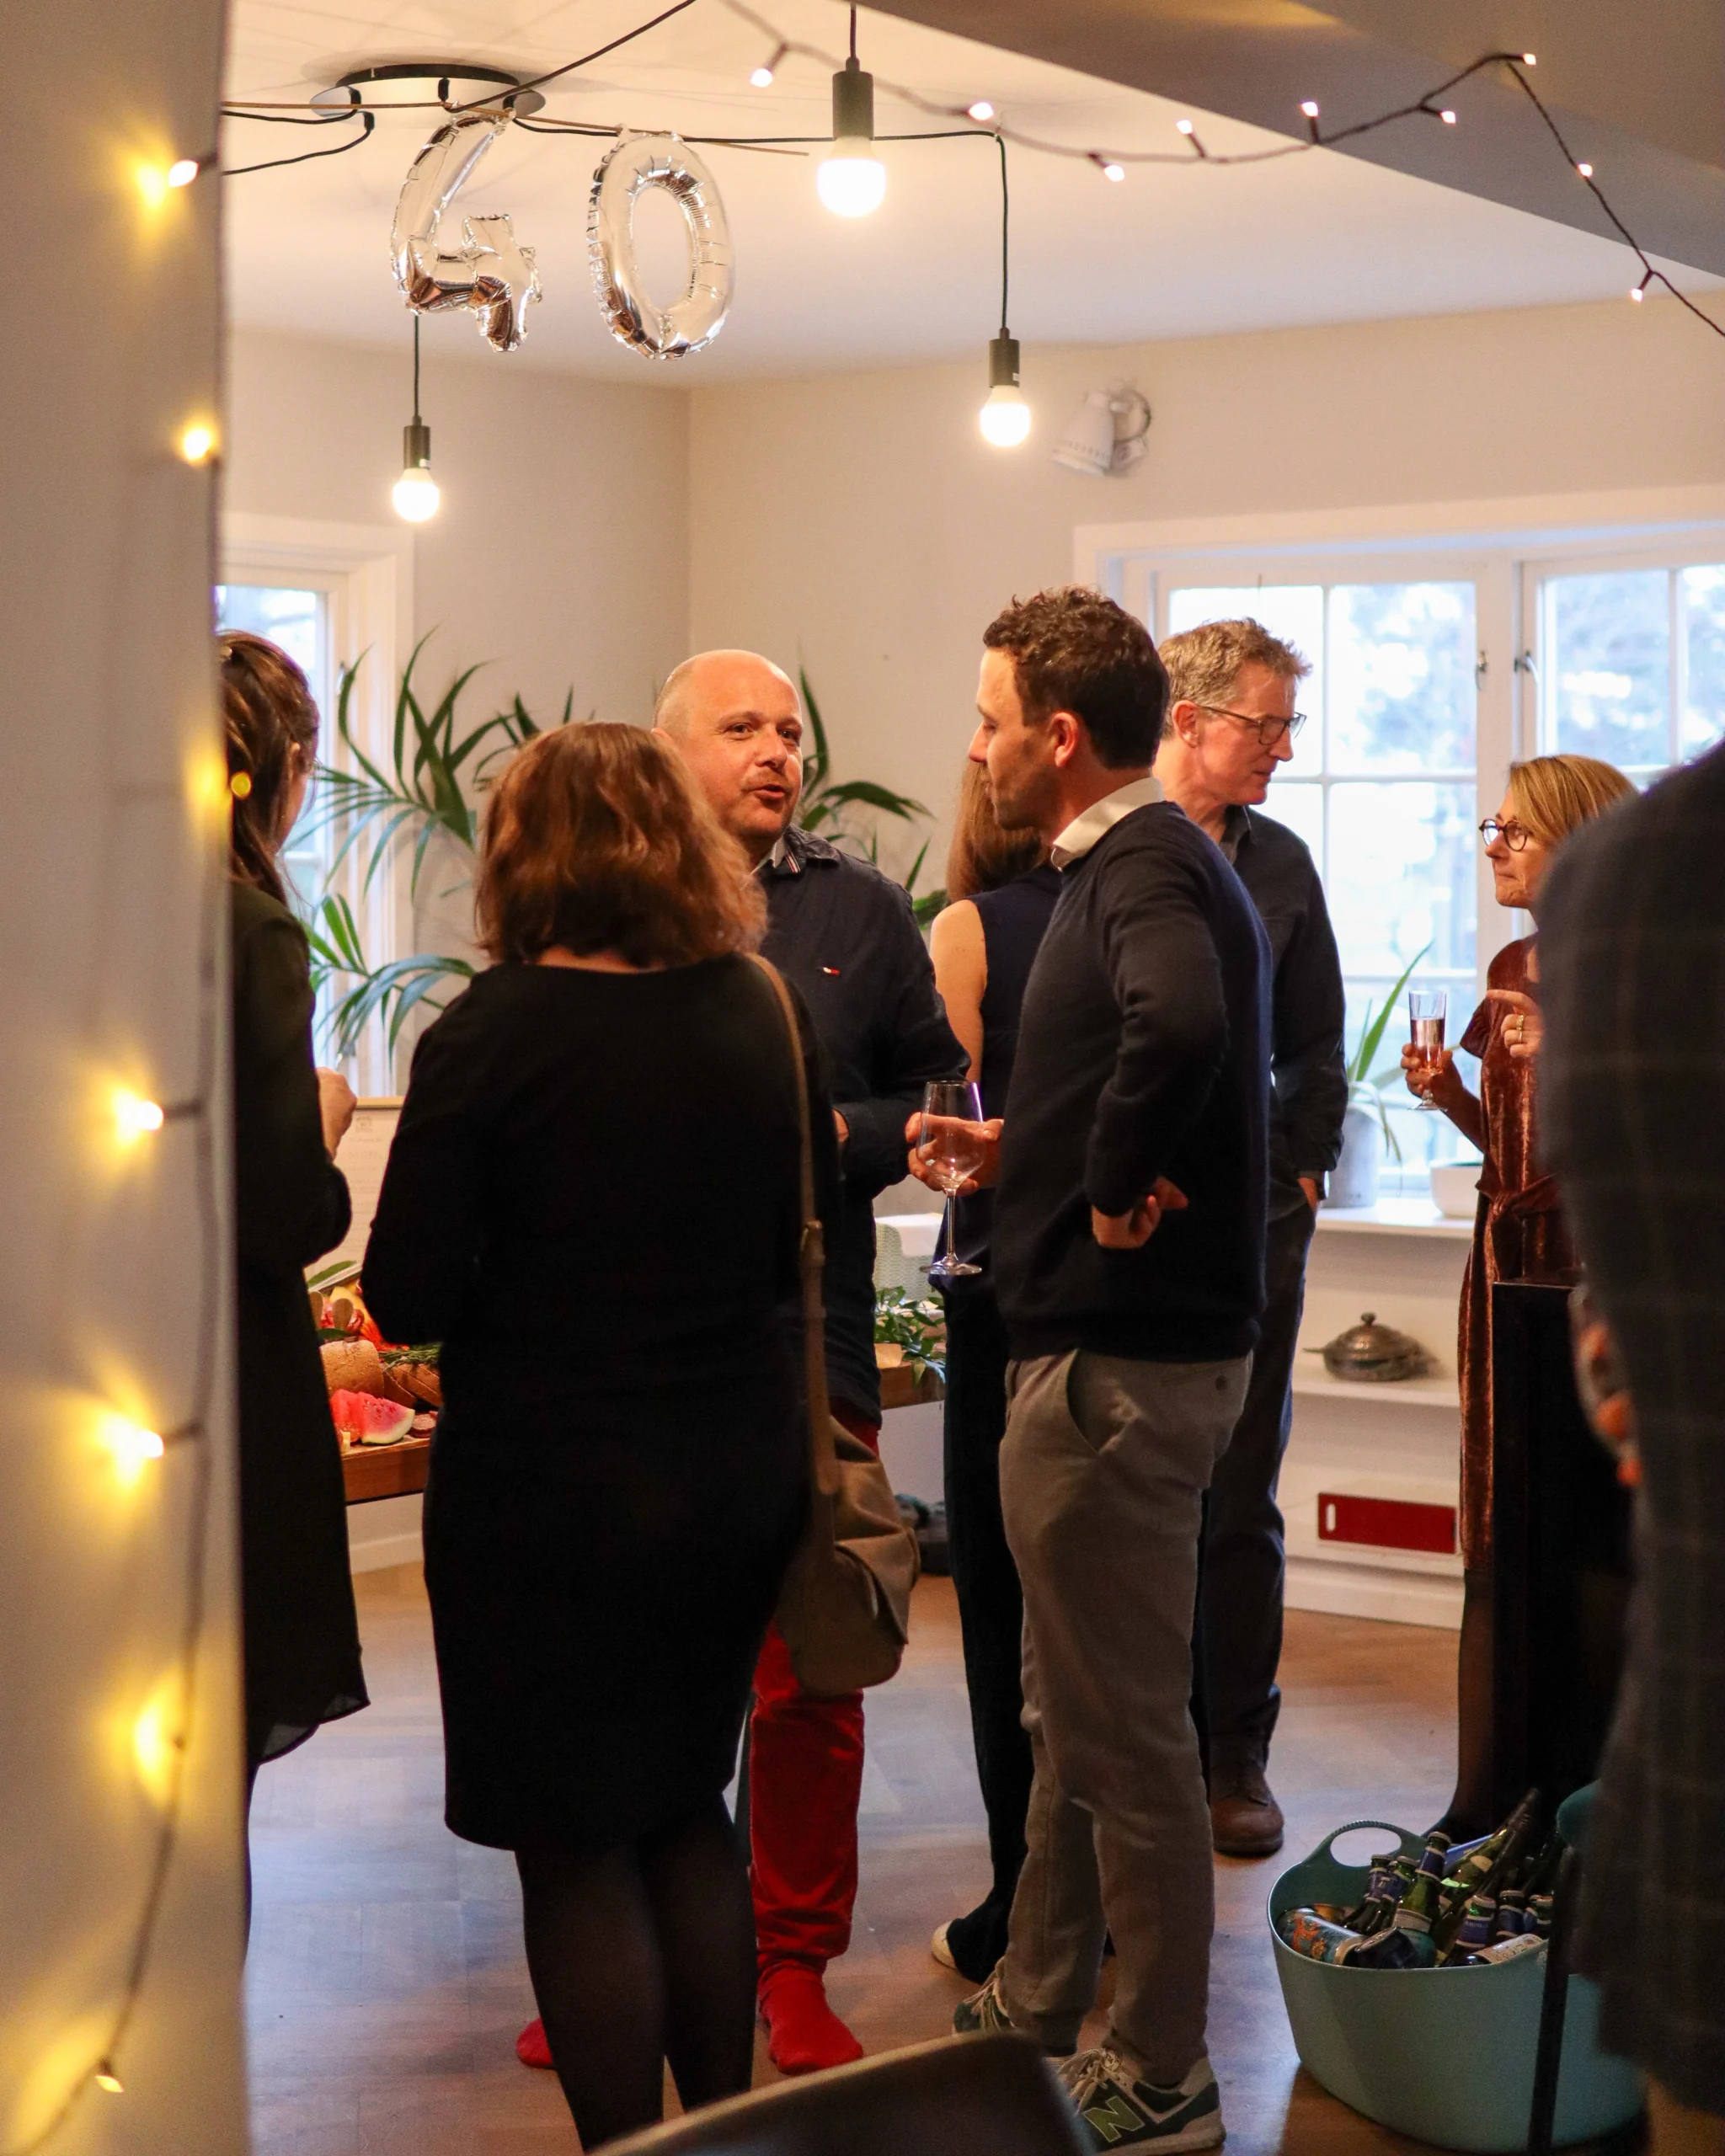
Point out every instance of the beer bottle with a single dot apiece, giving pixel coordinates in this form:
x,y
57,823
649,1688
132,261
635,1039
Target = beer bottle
x,y
1394,1949
1511,1841
1384,1890
1433,1857
1512,1914
1539,1912
1541,1873
1478,1925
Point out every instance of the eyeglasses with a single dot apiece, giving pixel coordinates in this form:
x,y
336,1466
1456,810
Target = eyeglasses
x,y
1269,731
1514,836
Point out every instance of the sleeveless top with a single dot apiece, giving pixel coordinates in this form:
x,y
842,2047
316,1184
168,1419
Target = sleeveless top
x,y
1014,917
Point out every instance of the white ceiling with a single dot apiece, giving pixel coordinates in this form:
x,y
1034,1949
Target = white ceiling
x,y
1169,253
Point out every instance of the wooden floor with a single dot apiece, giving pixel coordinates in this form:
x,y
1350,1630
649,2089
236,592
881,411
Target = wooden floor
x,y
387,1983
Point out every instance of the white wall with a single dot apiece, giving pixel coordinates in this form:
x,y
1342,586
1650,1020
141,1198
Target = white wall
x,y
861,519
560,550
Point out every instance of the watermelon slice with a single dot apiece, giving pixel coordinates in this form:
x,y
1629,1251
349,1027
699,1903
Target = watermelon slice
x,y
365,1418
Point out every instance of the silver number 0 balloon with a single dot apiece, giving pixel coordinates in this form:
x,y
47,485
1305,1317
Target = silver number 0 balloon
x,y
491,272
637,163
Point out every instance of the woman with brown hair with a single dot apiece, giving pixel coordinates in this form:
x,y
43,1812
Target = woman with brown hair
x,y
1519,1232
290,1206
983,945
592,1200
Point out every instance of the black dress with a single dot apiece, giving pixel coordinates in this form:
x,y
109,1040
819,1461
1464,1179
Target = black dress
x,y
591,1201
290,1203
990,1603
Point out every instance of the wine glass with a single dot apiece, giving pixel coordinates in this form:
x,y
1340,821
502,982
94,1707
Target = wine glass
x,y
1426,1010
950,1144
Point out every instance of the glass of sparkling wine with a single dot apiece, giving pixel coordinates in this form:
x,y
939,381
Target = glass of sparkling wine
x,y
950,1143
1426,1010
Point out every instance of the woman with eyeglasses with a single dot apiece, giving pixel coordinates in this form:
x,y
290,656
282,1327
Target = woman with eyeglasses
x,y
1519,1232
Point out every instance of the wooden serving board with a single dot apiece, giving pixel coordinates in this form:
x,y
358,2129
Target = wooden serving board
x,y
385,1471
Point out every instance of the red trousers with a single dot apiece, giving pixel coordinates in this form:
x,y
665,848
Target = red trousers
x,y
805,1775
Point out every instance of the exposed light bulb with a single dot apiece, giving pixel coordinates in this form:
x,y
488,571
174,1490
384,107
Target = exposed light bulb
x,y
1586,171
1636,293
415,494
982,109
1530,60
761,77
135,1117
182,171
1447,117
1184,127
1005,417
1310,108
196,441
1113,172
850,178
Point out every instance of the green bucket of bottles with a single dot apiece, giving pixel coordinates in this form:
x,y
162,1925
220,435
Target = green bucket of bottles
x,y
1444,2055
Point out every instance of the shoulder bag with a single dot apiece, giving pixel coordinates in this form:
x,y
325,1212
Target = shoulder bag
x,y
845,1608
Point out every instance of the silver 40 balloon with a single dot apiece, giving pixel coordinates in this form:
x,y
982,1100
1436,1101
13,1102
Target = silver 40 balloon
x,y
490,271
694,318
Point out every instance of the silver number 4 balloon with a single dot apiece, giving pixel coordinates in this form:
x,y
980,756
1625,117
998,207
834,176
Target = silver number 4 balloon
x,y
490,272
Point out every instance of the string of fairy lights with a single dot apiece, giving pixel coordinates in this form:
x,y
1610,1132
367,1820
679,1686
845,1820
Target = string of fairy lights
x,y
162,1724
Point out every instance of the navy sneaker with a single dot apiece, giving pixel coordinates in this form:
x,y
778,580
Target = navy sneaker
x,y
1119,2111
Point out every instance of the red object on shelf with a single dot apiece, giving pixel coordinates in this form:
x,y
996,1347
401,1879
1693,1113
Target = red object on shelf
x,y
1387,1523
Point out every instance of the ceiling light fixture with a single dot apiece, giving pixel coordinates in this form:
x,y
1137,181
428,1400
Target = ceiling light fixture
x,y
1005,417
415,494
850,180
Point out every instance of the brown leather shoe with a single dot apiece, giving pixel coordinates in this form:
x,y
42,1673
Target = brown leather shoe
x,y
1244,1819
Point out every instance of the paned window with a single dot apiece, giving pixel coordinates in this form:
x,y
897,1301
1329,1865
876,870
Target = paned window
x,y
1631,664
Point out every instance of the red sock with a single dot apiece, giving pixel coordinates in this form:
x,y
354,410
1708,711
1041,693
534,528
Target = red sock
x,y
531,2046
803,2034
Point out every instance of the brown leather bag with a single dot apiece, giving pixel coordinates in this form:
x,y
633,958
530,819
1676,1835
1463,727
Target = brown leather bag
x,y
845,1608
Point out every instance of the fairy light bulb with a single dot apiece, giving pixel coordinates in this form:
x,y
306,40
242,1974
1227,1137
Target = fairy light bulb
x,y
130,1445
196,441
1005,417
1112,171
134,1117
107,2079
981,110
850,179
182,171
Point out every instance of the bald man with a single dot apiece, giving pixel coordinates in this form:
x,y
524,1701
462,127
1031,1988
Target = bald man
x,y
844,933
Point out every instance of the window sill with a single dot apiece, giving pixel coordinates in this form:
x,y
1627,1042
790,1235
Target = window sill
x,y
1403,1215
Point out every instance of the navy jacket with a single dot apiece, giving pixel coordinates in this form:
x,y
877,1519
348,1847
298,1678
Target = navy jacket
x,y
845,934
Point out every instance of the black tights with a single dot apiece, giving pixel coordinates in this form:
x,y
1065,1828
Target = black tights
x,y
641,1955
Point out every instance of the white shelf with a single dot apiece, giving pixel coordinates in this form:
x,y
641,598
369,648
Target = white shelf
x,y
1407,1392
1393,1216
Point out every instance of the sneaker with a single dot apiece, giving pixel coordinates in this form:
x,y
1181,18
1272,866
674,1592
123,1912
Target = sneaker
x,y
985,2015
1244,1819
1119,2111
940,1950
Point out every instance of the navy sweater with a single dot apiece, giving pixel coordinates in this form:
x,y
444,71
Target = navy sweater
x,y
846,935
1143,1051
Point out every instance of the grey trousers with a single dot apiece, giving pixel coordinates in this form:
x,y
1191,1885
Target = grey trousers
x,y
1102,1473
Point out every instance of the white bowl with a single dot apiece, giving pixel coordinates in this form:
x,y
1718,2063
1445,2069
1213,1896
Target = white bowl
x,y
1456,1188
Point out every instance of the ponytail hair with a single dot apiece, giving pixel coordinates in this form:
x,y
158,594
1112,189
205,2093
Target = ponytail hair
x,y
271,724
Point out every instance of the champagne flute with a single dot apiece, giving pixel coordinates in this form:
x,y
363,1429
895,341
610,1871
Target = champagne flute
x,y
950,1143
1426,1010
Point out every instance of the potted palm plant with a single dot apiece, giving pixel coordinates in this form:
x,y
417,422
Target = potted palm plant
x,y
1365,1126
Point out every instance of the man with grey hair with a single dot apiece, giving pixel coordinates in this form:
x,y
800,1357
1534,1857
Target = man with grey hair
x,y
1232,725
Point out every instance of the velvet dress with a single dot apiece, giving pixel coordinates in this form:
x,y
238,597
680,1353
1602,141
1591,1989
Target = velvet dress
x,y
592,1200
1518,1233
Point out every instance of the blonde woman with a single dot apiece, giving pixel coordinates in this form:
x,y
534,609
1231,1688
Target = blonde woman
x,y
1519,1232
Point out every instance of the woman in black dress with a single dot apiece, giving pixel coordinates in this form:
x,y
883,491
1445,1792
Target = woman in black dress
x,y
291,1205
983,946
591,1201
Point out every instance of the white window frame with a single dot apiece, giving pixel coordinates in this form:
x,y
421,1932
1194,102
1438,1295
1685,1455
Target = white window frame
x,y
1504,545
367,573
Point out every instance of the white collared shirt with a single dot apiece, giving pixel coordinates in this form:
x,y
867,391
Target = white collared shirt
x,y
1083,832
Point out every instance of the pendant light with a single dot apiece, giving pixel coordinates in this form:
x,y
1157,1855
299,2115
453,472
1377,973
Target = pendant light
x,y
1005,417
416,495
850,178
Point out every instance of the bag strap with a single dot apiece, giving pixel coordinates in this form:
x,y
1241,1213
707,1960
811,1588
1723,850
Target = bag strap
x,y
811,1257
